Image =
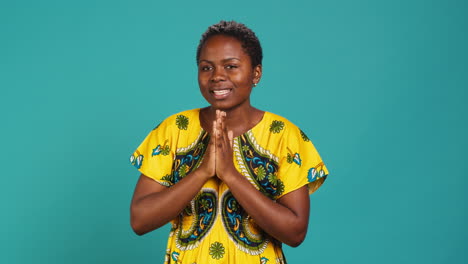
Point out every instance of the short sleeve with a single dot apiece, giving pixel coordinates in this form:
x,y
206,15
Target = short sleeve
x,y
300,163
155,155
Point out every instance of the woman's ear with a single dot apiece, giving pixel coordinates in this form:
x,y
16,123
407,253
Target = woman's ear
x,y
257,74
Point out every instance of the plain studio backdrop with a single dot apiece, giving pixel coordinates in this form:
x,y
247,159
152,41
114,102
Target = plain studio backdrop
x,y
379,86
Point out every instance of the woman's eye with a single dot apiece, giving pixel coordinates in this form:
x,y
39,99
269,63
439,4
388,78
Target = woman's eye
x,y
205,68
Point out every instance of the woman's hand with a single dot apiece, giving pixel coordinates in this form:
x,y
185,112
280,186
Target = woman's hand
x,y
153,204
291,212
223,147
208,165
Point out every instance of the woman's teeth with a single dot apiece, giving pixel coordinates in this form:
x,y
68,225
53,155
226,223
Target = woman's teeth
x,y
221,92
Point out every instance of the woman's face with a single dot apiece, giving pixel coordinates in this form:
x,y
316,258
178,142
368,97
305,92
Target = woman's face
x,y
225,73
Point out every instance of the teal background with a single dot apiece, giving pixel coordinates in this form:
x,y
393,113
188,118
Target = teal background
x,y
379,86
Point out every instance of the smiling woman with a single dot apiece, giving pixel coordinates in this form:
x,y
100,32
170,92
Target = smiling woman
x,y
226,73
234,181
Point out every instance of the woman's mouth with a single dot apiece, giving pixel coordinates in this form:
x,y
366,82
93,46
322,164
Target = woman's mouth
x,y
221,93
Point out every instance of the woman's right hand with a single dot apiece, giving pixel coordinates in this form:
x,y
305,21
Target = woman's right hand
x,y
153,204
208,165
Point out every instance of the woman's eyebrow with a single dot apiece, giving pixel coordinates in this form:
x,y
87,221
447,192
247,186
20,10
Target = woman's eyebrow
x,y
224,60
205,61
228,59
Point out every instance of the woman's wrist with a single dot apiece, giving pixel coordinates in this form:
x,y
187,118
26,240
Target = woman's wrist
x,y
229,176
201,173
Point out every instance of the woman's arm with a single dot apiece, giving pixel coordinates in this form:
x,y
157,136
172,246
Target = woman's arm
x,y
286,220
153,205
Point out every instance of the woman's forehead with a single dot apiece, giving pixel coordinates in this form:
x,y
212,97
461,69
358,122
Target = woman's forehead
x,y
222,47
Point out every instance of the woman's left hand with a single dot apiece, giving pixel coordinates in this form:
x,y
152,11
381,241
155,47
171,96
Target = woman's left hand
x,y
293,208
291,211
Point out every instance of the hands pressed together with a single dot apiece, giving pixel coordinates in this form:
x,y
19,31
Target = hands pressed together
x,y
291,211
218,159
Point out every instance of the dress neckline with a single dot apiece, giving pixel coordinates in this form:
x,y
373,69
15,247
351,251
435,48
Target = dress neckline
x,y
265,113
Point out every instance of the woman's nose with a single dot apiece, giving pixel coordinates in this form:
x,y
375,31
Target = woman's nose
x,y
218,74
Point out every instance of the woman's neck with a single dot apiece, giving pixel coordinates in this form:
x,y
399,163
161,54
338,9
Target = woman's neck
x,y
239,120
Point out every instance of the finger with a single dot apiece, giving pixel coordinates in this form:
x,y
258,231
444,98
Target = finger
x,y
219,127
221,118
216,122
213,137
230,136
214,141
214,133
218,134
221,131
223,123
216,128
225,136
218,115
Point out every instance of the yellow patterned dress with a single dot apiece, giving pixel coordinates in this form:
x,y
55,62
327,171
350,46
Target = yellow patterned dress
x,y
275,156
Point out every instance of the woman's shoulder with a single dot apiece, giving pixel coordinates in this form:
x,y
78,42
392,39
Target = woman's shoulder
x,y
189,114
181,120
282,128
279,124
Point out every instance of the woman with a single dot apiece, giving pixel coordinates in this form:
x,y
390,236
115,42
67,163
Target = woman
x,y
233,180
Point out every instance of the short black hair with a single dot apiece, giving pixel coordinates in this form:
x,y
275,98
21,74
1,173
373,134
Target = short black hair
x,y
241,32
